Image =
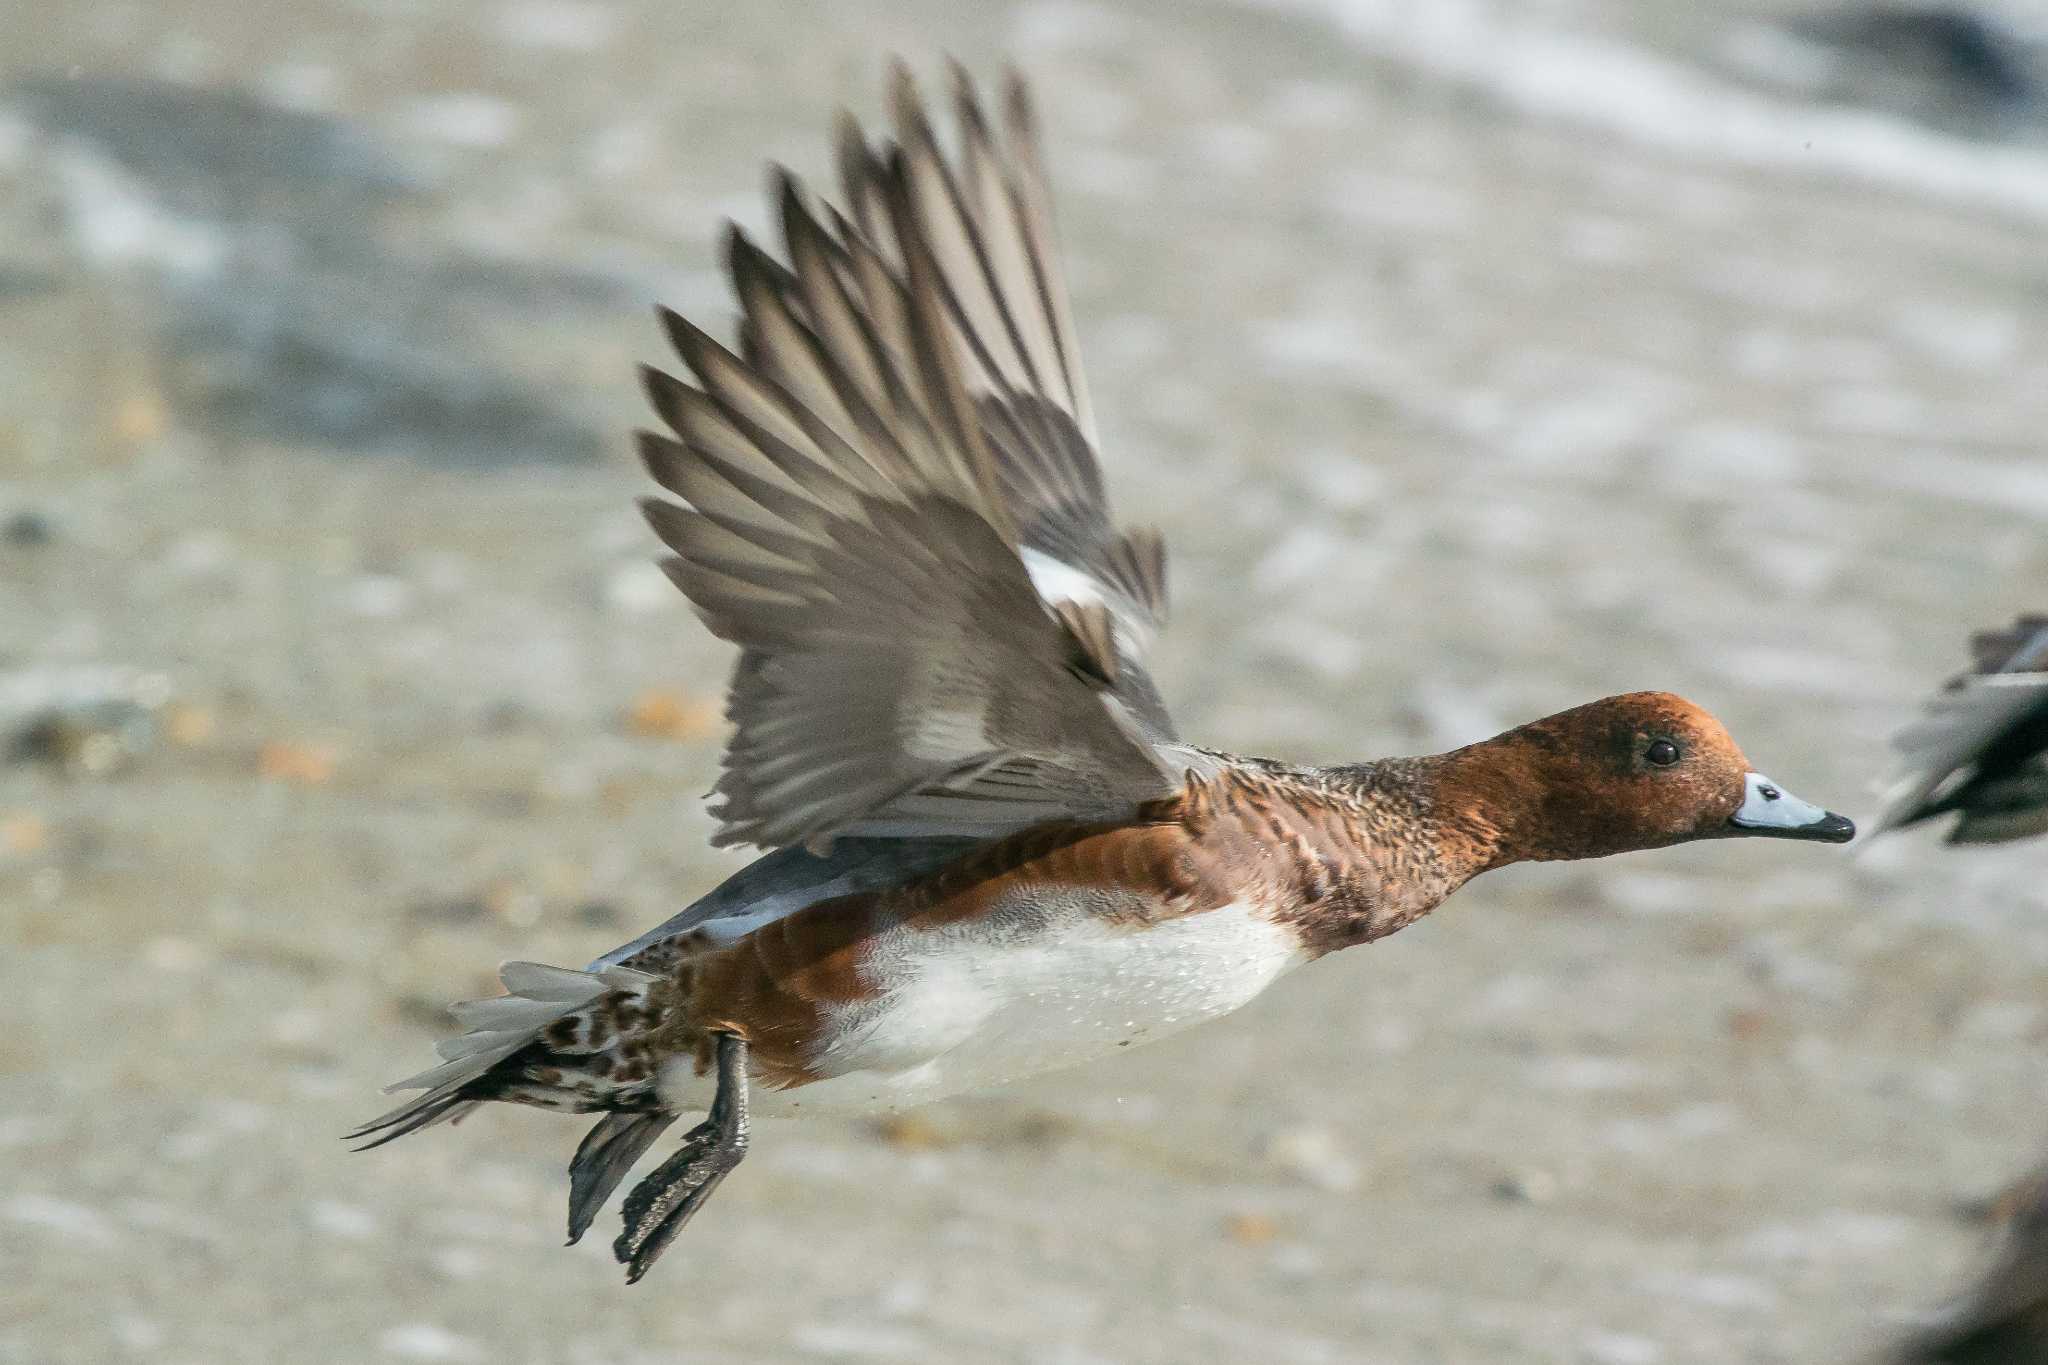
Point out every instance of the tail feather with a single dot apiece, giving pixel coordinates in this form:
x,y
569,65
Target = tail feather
x,y
498,1028
608,1151
560,985
410,1117
501,1013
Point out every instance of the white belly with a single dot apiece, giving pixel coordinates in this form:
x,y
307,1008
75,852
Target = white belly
x,y
966,1009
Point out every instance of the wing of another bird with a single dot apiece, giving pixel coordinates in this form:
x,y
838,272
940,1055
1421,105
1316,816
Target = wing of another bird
x,y
1986,717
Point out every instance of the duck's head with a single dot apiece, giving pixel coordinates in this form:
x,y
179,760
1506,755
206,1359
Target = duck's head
x,y
1641,770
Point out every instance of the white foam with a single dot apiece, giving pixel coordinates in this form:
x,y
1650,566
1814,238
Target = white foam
x,y
1064,26
310,87
350,1222
1621,1348
1587,1074
1937,473
115,221
462,119
72,1220
1713,1291
1601,82
425,1341
855,1341
559,25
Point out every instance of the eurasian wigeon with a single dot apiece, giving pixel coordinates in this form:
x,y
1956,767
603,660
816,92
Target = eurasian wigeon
x,y
1980,751
993,855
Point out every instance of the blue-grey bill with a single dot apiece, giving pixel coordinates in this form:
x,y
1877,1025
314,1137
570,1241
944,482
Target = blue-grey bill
x,y
1769,811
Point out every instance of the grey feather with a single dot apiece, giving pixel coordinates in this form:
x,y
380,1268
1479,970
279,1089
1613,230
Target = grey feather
x,y
789,879
499,1026
891,501
607,1152
1980,747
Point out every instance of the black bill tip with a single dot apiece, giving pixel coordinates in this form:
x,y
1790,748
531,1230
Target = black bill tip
x,y
1829,829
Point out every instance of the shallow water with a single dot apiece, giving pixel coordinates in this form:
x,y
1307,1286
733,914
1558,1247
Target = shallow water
x,y
1475,365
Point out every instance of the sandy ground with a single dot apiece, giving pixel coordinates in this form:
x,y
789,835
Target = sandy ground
x,y
1475,365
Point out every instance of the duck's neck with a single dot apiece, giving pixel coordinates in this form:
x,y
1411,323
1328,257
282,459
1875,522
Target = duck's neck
x,y
1400,836
1486,803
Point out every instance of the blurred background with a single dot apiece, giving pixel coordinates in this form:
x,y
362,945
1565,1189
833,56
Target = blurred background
x,y
1478,359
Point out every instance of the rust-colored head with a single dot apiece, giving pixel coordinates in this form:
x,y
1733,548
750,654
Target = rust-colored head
x,y
1641,770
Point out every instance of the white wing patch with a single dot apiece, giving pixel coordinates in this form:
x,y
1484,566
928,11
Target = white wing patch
x,y
1056,581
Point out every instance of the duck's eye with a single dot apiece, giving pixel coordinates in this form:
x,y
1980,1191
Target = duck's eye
x,y
1662,752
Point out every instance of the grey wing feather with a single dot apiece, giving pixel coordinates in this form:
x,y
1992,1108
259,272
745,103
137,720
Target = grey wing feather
x,y
2021,647
893,507
1970,714
990,226
1958,726
787,880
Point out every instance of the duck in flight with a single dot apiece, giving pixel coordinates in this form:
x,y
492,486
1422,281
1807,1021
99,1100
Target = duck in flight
x,y
989,852
1979,750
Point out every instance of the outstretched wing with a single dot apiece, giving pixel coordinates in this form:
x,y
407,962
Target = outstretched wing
x,y
893,506
1975,737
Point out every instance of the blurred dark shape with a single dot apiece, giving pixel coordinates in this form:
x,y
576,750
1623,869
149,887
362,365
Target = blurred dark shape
x,y
456,910
2005,1322
1968,51
18,283
1945,64
384,364
598,915
481,281
88,739
223,139
505,716
300,294
1980,750
27,529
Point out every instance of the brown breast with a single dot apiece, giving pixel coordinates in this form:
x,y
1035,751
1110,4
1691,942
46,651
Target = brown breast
x,y
1299,848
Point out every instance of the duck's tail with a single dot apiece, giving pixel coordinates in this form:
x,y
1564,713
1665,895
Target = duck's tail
x,y
559,1039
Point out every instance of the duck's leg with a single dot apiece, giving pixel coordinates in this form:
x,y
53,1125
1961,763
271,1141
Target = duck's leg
x,y
672,1193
